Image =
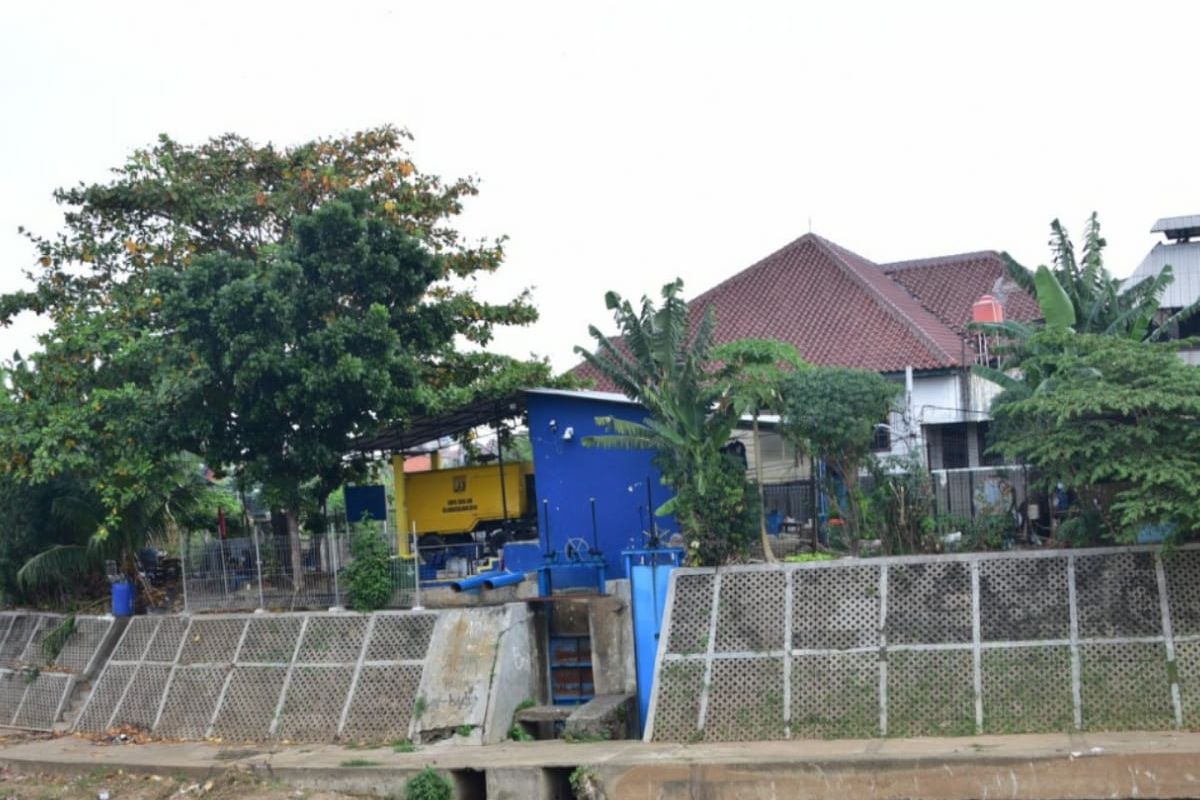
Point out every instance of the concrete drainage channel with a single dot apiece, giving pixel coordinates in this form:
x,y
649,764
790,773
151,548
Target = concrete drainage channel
x,y
1036,767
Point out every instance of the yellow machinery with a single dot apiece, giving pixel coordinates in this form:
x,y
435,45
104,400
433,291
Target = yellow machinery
x,y
453,503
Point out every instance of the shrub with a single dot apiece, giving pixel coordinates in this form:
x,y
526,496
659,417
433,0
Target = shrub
x,y
369,575
428,785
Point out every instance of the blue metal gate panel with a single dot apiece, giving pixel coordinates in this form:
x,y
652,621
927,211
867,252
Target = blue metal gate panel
x,y
649,575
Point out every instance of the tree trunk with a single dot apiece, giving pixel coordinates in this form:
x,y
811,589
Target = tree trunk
x,y
850,481
293,528
768,553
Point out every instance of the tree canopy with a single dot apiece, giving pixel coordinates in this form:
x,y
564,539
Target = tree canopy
x,y
1116,420
754,370
259,306
832,412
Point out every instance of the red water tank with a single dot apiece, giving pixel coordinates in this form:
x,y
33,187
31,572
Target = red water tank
x,y
987,309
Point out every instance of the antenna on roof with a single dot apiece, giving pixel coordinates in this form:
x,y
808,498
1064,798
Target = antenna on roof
x,y
1178,229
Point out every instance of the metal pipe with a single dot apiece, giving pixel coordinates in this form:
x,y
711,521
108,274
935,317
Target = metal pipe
x,y
469,584
487,580
258,567
503,485
416,556
595,535
498,579
652,515
183,568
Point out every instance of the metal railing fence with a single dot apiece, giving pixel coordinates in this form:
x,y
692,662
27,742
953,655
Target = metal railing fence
x,y
257,572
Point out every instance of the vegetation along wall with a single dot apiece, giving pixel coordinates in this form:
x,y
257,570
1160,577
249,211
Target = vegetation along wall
x,y
1105,639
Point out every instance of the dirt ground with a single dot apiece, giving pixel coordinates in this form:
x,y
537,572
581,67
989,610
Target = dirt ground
x,y
122,786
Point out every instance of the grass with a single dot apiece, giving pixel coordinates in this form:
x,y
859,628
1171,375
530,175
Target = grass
x,y
804,558
359,762
403,746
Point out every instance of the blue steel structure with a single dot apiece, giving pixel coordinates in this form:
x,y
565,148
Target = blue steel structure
x,y
625,484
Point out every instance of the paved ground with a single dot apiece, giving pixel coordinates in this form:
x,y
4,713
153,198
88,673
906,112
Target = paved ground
x,y
1121,765
231,785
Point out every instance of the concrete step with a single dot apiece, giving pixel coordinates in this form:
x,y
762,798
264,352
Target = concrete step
x,y
544,722
604,717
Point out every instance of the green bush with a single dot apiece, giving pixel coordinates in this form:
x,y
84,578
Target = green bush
x,y
428,785
369,575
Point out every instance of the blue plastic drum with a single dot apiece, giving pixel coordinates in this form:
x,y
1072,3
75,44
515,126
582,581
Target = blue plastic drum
x,y
122,599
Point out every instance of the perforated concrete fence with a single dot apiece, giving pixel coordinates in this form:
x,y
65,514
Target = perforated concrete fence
x,y
34,689
931,646
295,677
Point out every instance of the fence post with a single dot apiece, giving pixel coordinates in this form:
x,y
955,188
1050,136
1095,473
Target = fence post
x,y
332,541
224,571
183,569
258,567
416,554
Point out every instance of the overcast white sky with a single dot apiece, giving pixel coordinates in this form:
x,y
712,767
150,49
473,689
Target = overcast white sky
x,y
622,144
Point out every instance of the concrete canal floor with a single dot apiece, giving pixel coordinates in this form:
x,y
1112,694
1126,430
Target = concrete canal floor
x,y
1038,767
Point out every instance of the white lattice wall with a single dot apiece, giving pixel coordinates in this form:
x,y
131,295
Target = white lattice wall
x,y
295,677
941,645
35,690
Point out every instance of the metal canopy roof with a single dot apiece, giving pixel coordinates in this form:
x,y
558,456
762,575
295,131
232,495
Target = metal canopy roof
x,y
1178,227
433,427
487,411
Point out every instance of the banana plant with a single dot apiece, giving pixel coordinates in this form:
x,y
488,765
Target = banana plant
x,y
664,362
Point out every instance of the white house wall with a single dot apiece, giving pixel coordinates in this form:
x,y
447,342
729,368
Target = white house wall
x,y
934,400
780,464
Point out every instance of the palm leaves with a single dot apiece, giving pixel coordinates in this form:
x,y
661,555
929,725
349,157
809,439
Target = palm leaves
x,y
665,363
147,520
1097,301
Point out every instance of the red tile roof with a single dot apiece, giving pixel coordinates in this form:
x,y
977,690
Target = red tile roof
x,y
840,309
949,285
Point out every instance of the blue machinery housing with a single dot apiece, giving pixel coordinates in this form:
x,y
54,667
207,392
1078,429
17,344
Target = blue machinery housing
x,y
623,486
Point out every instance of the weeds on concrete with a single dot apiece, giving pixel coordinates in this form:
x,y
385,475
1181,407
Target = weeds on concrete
x,y
585,784
428,785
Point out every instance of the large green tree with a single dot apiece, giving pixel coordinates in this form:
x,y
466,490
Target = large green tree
x,y
832,412
217,298
1116,420
664,363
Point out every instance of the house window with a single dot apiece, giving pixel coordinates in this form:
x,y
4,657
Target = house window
x,y
956,452
881,439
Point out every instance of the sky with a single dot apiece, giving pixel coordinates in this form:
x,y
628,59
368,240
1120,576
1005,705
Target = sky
x,y
619,145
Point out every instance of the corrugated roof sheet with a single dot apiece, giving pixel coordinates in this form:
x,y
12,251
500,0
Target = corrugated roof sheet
x,y
1184,258
1176,223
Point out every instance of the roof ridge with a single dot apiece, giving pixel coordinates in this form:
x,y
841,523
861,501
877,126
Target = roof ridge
x,y
890,305
740,273
937,261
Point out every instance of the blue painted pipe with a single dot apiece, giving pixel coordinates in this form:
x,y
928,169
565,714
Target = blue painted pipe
x,y
487,580
496,579
472,583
